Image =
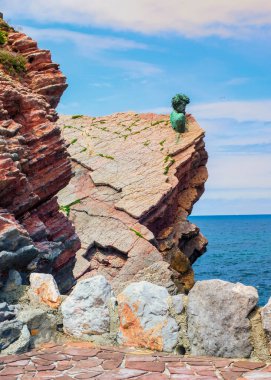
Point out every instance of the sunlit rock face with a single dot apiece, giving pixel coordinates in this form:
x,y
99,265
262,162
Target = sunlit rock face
x,y
135,183
34,164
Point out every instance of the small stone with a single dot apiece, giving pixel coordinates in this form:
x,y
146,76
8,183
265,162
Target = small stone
x,y
178,303
43,288
248,365
14,280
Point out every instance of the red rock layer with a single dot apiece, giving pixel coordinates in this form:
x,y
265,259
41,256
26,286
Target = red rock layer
x,y
34,163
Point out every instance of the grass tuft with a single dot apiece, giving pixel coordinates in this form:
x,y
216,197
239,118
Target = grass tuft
x,y
13,63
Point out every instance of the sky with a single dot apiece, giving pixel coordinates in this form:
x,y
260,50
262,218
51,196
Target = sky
x,y
123,55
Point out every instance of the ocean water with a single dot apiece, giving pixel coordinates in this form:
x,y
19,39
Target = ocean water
x,y
239,250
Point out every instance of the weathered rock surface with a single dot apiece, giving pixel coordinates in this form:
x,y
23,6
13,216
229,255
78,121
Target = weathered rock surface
x,y
33,164
135,183
86,310
218,323
145,320
266,320
43,288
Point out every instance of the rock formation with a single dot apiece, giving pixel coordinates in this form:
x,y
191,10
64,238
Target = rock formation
x,y
34,163
135,183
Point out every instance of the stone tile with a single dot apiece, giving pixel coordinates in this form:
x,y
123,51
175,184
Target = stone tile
x,y
19,363
168,359
229,375
64,365
92,362
11,371
87,375
180,370
255,375
53,357
121,374
142,358
74,351
30,368
152,376
145,365
48,374
107,355
221,363
248,365
41,361
111,364
45,367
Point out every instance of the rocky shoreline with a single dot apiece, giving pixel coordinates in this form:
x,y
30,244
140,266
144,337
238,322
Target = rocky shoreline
x,y
95,243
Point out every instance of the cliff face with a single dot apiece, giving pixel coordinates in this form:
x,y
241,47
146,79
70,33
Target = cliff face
x,y
135,183
34,165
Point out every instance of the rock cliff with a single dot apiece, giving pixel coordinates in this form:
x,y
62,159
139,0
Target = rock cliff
x,y
135,183
34,163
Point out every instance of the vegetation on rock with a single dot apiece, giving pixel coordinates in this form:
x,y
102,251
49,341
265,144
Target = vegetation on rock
x,y
13,63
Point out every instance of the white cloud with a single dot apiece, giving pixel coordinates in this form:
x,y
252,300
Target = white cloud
x,y
239,110
87,43
191,18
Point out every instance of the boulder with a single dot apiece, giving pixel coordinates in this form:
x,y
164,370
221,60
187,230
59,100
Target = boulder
x,y
10,330
86,310
266,319
218,323
144,317
43,288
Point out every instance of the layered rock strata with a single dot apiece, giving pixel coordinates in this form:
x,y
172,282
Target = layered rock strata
x,y
34,163
135,183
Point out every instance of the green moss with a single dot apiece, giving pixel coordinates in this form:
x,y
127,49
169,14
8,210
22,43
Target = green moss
x,y
162,142
77,116
146,143
157,122
13,63
67,208
170,161
67,126
83,150
105,156
137,233
73,141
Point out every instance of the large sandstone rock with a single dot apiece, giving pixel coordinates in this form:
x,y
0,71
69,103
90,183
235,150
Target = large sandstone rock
x,y
135,183
34,164
144,317
218,323
86,310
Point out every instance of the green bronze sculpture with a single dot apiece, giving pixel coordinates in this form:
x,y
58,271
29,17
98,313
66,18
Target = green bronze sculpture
x,y
177,116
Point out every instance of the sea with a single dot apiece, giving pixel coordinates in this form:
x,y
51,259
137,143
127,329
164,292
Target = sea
x,y
239,250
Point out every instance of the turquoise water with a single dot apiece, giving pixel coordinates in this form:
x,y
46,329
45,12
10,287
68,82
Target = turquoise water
x,y
239,250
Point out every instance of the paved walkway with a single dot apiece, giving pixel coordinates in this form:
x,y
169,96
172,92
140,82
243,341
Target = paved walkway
x,y
83,361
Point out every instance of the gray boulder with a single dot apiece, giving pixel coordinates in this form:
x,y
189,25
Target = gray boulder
x,y
218,323
266,319
10,330
86,310
145,320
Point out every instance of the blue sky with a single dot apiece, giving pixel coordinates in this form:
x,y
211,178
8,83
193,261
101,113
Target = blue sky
x,y
122,55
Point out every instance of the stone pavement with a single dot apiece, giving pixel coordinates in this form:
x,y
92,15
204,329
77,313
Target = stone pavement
x,y
84,361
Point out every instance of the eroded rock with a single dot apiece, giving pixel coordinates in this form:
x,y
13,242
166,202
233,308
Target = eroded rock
x,y
144,317
218,323
135,183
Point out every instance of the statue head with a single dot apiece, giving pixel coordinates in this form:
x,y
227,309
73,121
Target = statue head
x,y
179,102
